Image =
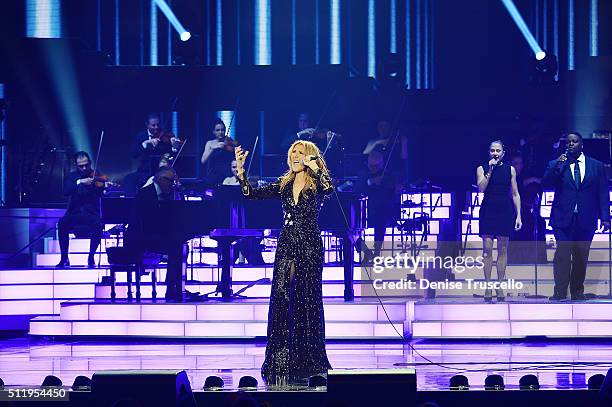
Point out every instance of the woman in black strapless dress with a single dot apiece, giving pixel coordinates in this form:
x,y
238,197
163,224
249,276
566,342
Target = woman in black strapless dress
x,y
499,212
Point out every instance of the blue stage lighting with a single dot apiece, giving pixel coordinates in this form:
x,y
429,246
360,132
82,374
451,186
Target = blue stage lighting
x,y
263,36
43,19
228,118
371,39
540,55
334,28
522,26
163,6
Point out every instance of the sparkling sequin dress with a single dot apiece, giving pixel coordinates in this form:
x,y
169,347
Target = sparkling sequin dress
x,y
296,325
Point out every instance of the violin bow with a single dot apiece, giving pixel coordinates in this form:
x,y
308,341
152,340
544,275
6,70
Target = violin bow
x,y
178,153
98,153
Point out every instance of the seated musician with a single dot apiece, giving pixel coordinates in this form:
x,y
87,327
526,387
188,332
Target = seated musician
x,y
233,180
148,227
83,213
382,190
218,154
151,143
390,144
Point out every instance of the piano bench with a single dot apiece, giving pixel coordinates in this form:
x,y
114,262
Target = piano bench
x,y
120,259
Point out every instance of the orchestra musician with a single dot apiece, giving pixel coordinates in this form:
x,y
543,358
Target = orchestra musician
x,y
153,142
218,154
83,214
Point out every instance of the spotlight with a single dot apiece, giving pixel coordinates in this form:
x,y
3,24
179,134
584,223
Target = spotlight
x,y
185,35
51,381
213,383
317,381
247,382
596,381
494,382
459,382
540,55
81,383
545,69
529,382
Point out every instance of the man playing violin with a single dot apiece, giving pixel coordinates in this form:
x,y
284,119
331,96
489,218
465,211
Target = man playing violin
x,y
153,142
83,214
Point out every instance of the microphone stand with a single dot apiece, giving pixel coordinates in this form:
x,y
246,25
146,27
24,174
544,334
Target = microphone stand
x,y
534,214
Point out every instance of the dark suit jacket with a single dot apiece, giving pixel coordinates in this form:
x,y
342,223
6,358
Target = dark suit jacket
x,y
143,155
592,197
84,199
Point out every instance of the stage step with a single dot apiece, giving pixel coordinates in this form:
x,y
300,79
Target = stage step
x,y
214,320
512,320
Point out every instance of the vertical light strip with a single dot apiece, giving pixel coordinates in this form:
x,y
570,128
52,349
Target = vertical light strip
x,y
431,43
238,47
153,35
43,19
169,38
556,32
262,139
219,36
208,33
98,26
545,24
418,43
426,44
335,53
263,38
593,29
408,47
371,39
317,55
293,33
3,154
393,27
228,118
571,55
174,123
537,20
117,34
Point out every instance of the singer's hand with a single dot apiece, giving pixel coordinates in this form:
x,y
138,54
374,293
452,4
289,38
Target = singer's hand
x,y
518,224
241,156
311,162
493,162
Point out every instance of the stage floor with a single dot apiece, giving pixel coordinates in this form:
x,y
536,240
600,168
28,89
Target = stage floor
x,y
558,364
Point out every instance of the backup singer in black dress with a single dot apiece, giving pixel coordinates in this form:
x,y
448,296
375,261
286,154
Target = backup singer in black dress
x,y
296,326
497,216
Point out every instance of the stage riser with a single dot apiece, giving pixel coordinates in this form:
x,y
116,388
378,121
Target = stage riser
x,y
219,330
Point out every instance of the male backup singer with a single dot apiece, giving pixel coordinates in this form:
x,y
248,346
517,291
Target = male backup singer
x,y
581,197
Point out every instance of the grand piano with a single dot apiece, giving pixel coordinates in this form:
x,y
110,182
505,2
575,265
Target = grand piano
x,y
228,217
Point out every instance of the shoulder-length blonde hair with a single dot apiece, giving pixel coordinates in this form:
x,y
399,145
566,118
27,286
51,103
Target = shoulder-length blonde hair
x,y
310,148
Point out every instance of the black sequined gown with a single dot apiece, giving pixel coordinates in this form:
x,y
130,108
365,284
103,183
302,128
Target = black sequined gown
x,y
296,325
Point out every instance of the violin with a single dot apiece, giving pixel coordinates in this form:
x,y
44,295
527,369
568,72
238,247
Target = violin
x,y
166,136
230,144
101,180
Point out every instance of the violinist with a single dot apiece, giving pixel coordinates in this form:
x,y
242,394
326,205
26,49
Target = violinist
x,y
83,214
218,154
153,142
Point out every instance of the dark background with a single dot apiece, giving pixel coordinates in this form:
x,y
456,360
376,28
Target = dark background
x,y
480,87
